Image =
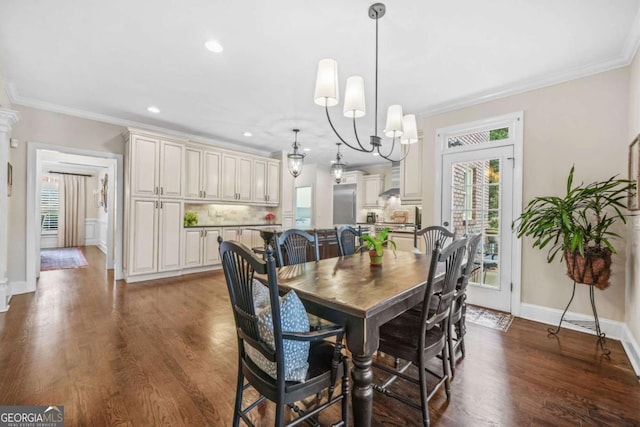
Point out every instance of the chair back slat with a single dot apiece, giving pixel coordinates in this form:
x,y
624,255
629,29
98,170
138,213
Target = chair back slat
x,y
347,237
472,250
240,265
297,247
433,235
441,299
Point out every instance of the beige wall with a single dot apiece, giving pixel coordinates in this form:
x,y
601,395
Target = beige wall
x,y
55,129
581,122
633,286
90,208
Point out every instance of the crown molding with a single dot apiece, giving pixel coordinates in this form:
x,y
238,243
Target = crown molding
x,y
8,118
18,99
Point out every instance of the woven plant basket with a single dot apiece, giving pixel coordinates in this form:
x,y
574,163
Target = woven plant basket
x,y
592,269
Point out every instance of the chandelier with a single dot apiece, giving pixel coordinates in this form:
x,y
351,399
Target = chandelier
x,y
398,127
295,160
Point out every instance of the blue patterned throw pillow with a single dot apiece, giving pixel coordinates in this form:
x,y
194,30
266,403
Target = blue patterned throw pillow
x,y
293,318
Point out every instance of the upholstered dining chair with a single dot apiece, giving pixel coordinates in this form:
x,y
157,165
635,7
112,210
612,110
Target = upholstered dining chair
x,y
348,237
459,306
278,355
432,235
418,337
296,247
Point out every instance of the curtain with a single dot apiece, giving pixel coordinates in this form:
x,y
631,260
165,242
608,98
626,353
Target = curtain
x,y
71,211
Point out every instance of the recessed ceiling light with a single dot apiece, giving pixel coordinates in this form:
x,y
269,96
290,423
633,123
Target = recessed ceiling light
x,y
153,109
213,46
306,149
247,134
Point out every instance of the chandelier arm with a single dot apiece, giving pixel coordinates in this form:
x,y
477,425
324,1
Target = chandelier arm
x,y
387,157
355,131
362,150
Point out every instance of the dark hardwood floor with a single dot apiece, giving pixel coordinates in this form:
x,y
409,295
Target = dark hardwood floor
x,y
164,353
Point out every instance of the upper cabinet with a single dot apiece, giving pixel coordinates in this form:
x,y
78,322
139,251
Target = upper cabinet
x,y
373,185
237,178
201,174
411,174
266,182
156,167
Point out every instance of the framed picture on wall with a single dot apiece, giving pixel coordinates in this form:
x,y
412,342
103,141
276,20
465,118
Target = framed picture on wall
x,y
634,173
9,178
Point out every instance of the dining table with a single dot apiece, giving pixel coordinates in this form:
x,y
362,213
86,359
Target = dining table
x,y
351,292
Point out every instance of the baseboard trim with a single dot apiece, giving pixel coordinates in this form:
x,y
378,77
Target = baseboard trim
x,y
632,349
21,287
551,316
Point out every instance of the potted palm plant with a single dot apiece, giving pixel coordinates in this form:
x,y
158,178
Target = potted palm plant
x,y
578,226
375,244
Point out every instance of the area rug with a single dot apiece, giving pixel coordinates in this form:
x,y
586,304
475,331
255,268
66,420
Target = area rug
x,y
489,318
61,258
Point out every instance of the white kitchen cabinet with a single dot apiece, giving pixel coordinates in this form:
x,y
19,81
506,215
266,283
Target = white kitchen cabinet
x,y
241,235
156,167
202,174
373,185
155,227
237,178
201,247
266,182
404,241
411,174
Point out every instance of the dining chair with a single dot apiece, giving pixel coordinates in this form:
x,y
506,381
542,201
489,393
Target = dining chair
x,y
277,354
298,246
459,306
432,235
421,337
347,237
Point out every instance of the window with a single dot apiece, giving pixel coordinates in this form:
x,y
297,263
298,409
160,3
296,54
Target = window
x,y
49,203
481,137
469,193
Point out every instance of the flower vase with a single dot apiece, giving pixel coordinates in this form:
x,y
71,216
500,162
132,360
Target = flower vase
x,y
376,260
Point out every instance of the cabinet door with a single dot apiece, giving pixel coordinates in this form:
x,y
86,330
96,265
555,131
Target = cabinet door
x,y
411,174
371,191
192,174
273,183
244,179
230,234
171,169
193,247
211,251
260,181
211,175
229,173
246,237
403,242
169,230
144,238
144,166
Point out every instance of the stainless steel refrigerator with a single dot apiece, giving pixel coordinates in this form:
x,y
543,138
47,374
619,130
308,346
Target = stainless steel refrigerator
x,y
344,204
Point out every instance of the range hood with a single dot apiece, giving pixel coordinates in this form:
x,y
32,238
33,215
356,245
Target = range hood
x,y
394,190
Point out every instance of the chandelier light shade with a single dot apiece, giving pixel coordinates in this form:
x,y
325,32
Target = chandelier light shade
x,y
338,168
409,130
295,160
402,129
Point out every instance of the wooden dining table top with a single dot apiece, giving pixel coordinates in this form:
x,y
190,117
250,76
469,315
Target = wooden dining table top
x,y
352,286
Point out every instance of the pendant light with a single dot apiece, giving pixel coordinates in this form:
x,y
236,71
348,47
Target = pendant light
x,y
295,160
400,128
338,168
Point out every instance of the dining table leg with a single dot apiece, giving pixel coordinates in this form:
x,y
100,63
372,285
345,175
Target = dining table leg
x,y
362,343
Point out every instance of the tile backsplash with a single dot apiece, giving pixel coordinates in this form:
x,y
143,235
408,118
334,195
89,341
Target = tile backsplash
x,y
214,214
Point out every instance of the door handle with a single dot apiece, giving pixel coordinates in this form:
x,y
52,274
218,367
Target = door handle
x,y
156,204
204,193
161,203
161,191
155,190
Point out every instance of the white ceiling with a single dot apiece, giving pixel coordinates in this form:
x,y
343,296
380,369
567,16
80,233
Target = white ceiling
x,y
115,58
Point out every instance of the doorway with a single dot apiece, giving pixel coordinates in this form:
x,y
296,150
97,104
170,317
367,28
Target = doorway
x,y
480,190
103,231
